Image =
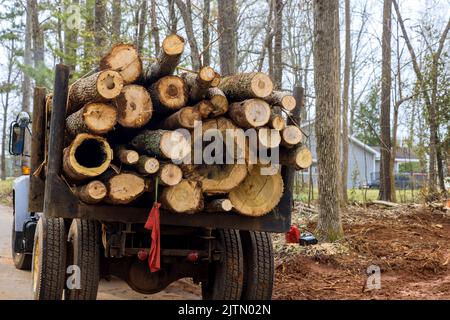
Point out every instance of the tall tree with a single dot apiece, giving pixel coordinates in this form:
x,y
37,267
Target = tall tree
x,y
26,80
172,16
185,8
227,21
327,88
88,35
70,37
154,24
385,118
38,41
278,44
100,27
205,32
116,19
345,101
142,25
430,102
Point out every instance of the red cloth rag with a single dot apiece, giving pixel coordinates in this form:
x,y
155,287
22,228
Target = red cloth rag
x,y
154,258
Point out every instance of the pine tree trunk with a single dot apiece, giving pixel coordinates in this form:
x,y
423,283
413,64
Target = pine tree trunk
x,y
134,107
243,86
95,118
168,60
125,59
99,87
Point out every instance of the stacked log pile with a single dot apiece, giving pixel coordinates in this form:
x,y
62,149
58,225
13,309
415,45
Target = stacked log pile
x,y
122,138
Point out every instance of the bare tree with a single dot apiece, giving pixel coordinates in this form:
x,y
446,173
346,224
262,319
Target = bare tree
x,y
345,102
278,44
205,32
430,102
37,39
172,16
327,87
154,24
142,25
385,118
227,21
186,13
116,19
100,26
70,41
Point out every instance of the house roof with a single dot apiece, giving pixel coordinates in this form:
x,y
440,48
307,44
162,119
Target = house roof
x,y
402,153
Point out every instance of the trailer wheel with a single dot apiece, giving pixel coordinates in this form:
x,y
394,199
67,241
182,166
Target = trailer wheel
x,y
225,277
83,252
258,265
49,259
22,261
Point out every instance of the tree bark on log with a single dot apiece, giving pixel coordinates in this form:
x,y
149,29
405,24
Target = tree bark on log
x,y
88,156
291,136
243,86
258,194
163,144
123,188
219,205
185,197
205,108
218,100
282,99
169,94
147,165
252,113
299,158
134,107
126,156
169,175
198,83
184,118
269,138
216,81
169,58
216,178
99,87
123,58
91,193
94,118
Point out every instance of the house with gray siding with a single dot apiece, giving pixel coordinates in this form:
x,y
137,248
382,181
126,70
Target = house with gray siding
x,y
363,160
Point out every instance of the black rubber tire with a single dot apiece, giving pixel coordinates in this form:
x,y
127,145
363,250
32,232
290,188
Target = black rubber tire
x,y
22,261
49,259
225,277
83,250
258,265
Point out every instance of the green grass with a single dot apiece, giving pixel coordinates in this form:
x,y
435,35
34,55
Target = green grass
x,y
6,192
358,195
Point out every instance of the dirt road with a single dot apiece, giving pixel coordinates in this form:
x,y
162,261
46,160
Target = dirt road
x,y
16,284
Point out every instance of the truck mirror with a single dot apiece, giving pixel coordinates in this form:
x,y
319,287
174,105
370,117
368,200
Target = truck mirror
x,y
17,139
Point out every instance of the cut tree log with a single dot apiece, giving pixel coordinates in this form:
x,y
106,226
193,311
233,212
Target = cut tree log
x,y
169,175
134,106
163,144
87,156
218,100
205,108
95,118
169,58
185,197
258,194
123,188
91,193
252,113
99,87
299,158
283,99
269,138
147,165
126,156
216,178
198,83
184,118
242,86
219,205
123,58
169,94
216,81
276,121
291,136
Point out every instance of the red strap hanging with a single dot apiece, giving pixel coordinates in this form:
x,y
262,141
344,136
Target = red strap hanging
x,y
154,258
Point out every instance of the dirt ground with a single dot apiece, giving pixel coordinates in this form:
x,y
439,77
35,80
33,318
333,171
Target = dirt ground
x,y
410,245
